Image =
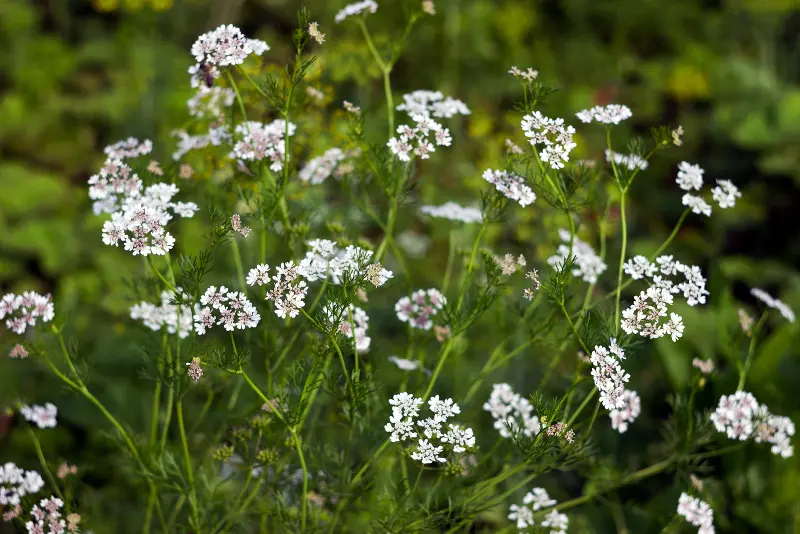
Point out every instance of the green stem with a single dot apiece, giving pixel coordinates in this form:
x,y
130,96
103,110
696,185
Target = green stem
x,y
188,462
750,351
589,397
237,259
451,246
621,260
470,266
40,454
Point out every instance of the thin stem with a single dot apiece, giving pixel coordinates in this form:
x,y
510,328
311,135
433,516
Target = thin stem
x,y
188,462
470,266
750,351
582,406
572,326
40,454
621,259
451,246
237,259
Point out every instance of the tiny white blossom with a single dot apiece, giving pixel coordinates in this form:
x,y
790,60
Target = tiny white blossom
x,y
689,176
697,204
697,513
511,186
453,212
258,275
764,297
610,114
588,265
41,416
356,8
725,194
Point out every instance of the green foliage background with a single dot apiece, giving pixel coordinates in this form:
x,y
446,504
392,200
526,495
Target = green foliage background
x,y
76,76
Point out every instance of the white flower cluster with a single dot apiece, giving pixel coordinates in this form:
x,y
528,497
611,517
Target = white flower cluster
x,y
47,518
225,46
432,104
535,500
630,409
348,319
510,409
453,212
167,314
419,309
644,315
610,114
41,416
16,483
355,8
25,310
528,75
693,285
417,140
128,148
629,161
325,259
140,222
696,512
588,265
553,134
115,182
690,177
287,293
760,294
210,102
217,135
511,186
403,421
741,417
404,364
322,167
608,374
137,217
263,141
233,309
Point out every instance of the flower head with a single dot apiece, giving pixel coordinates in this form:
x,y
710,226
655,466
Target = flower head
x,y
356,8
610,114
419,309
41,416
23,311
511,186
588,265
553,134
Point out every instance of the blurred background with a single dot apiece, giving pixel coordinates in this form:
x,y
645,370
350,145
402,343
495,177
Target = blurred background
x,y
78,75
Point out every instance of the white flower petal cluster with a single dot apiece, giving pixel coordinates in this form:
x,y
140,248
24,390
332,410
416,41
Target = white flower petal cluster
x,y
608,375
41,416
259,141
689,176
696,512
644,315
419,309
432,104
128,148
697,204
588,265
760,294
226,46
223,307
511,186
217,135
725,194
416,140
115,181
46,518
16,483
404,364
528,74
629,161
167,314
510,409
741,417
137,217
430,448
319,169
210,102
553,134
25,310
287,293
453,212
693,285
325,259
610,114
356,8
535,500
345,322
630,409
